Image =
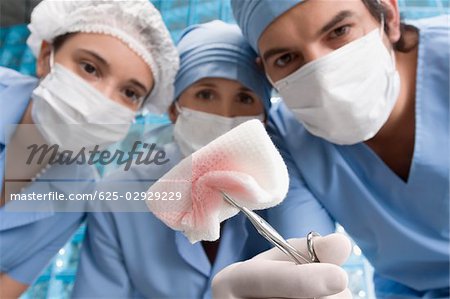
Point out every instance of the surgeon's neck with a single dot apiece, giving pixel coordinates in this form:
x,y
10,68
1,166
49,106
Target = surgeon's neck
x,y
211,248
394,143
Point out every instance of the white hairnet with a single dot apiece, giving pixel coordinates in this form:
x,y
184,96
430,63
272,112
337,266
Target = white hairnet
x,y
137,23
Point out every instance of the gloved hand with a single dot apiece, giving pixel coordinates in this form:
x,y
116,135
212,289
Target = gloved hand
x,y
272,274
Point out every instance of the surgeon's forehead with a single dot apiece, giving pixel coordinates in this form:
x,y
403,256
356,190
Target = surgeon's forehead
x,y
108,47
311,16
97,41
320,10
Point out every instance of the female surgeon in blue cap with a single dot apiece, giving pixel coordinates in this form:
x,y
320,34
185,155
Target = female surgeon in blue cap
x,y
364,130
135,255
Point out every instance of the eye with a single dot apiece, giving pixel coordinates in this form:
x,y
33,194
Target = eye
x,y
284,60
205,94
132,96
245,98
340,31
89,68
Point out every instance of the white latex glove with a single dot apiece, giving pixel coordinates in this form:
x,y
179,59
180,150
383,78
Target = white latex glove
x,y
272,274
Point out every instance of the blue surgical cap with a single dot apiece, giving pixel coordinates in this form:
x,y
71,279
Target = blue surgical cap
x,y
253,16
219,50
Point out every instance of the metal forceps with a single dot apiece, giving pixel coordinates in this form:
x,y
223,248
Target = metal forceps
x,y
268,232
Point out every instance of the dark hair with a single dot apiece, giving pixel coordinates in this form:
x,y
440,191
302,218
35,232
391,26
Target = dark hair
x,y
403,44
59,40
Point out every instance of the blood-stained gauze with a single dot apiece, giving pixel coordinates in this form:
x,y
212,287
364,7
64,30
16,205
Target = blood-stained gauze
x,y
243,163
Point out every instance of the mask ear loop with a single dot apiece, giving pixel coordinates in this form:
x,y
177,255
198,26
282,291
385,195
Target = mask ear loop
x,y
381,36
178,108
51,60
382,20
270,80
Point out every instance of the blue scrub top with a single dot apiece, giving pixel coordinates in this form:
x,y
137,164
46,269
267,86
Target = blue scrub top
x,y
135,255
28,240
401,227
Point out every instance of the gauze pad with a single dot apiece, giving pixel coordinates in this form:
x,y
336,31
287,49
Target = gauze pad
x,y
243,163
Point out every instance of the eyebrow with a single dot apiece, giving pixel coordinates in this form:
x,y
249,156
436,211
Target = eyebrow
x,y
273,52
342,15
97,56
241,89
140,85
245,89
206,84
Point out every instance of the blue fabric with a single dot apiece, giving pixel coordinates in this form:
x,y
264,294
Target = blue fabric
x,y
135,255
217,49
401,227
15,91
28,240
254,16
27,249
386,288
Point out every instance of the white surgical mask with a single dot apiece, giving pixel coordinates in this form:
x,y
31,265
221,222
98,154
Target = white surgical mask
x,y
195,129
346,96
71,113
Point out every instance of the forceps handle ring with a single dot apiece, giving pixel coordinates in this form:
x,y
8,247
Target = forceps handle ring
x,y
269,233
310,245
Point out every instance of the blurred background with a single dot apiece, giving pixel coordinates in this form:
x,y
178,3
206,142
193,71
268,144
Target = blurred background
x,y
57,280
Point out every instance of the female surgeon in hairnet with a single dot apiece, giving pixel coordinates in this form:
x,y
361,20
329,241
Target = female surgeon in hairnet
x,y
218,87
96,64
364,130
